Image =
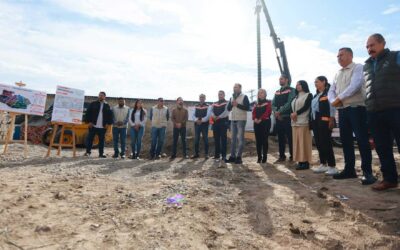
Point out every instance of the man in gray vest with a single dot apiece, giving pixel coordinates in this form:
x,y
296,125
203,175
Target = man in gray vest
x,y
347,94
159,116
238,105
382,76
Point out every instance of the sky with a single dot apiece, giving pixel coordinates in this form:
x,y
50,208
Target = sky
x,y
171,48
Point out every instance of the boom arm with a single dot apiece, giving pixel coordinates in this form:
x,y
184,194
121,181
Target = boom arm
x,y
278,44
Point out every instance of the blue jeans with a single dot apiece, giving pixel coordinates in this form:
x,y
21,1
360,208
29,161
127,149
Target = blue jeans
x,y
176,133
354,120
101,133
157,141
220,128
384,126
119,134
136,140
237,130
202,130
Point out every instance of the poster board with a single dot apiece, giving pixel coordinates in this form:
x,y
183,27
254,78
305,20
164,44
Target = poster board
x,y
68,105
19,100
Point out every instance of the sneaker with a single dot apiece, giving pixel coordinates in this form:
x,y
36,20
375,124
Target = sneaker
x,y
368,179
115,156
238,160
331,171
102,156
195,156
86,154
122,156
321,169
345,175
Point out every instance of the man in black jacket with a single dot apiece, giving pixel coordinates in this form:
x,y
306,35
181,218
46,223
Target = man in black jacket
x,y
382,77
99,117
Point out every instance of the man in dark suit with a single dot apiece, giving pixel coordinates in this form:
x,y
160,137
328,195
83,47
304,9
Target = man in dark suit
x,y
99,117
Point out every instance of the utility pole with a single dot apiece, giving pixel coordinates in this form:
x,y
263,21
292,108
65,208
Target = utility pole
x,y
257,12
252,94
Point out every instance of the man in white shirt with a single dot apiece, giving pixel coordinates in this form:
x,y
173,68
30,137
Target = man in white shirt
x,y
99,117
347,94
120,120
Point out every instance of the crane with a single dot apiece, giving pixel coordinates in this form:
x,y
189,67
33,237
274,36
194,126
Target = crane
x,y
278,44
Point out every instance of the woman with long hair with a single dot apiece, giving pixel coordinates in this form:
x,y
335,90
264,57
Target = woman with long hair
x,y
322,123
262,124
137,121
302,140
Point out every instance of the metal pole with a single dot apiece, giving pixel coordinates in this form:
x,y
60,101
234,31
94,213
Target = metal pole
x,y
258,9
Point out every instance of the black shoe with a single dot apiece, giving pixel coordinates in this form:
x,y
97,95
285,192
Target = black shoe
x,y
231,159
115,156
238,160
259,160
86,154
345,175
216,157
102,156
368,179
303,166
194,156
206,157
281,159
264,160
172,157
291,158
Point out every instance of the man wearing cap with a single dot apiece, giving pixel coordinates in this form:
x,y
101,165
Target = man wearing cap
x,y
201,118
238,106
347,94
281,107
120,120
159,116
382,76
99,117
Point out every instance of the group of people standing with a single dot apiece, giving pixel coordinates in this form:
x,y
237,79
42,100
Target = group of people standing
x,y
365,96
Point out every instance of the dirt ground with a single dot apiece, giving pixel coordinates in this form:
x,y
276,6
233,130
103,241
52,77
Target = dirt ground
x,y
91,203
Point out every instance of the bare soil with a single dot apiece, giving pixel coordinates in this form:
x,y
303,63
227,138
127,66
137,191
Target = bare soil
x,y
91,203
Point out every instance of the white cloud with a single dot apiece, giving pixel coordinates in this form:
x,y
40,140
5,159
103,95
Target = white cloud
x,y
391,9
124,11
208,49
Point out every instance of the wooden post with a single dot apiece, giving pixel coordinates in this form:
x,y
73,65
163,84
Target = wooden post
x,y
9,132
26,137
61,140
53,135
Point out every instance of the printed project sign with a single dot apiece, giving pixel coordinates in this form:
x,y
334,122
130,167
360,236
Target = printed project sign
x,y
68,105
22,100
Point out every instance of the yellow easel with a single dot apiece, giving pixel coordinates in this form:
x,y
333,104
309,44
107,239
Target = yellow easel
x,y
60,143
